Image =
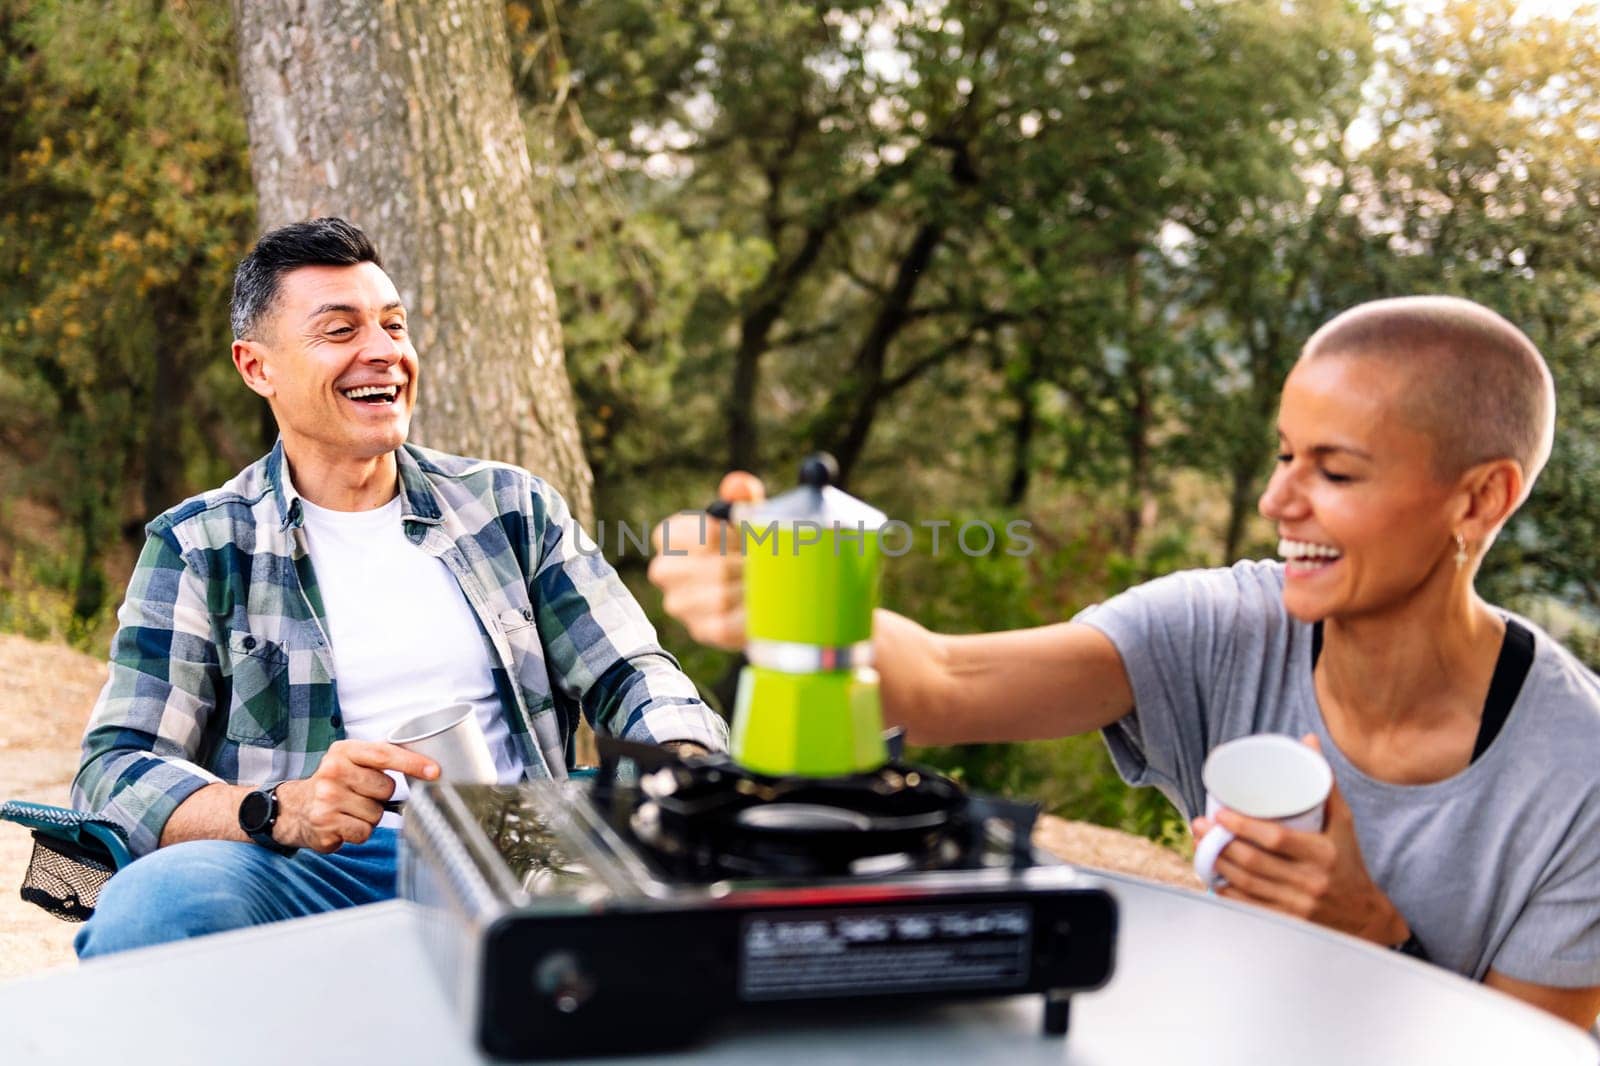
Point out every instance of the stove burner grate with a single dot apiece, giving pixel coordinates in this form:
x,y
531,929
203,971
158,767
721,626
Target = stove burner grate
x,y
705,818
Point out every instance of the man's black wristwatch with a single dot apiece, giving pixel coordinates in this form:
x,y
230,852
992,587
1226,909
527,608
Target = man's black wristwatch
x,y
258,813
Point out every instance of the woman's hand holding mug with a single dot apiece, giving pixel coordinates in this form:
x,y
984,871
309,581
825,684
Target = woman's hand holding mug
x,y
1267,777
1306,863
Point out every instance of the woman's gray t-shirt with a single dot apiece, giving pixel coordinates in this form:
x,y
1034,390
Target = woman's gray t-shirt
x,y
1497,867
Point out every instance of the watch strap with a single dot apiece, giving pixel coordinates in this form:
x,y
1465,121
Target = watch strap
x,y
1413,947
262,835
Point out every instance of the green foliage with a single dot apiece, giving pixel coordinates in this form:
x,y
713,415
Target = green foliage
x,y
38,599
1138,213
629,278
1072,777
935,201
989,570
949,590
1009,259
124,201
1026,580
1482,180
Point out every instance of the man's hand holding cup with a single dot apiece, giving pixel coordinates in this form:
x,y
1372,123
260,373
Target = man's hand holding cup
x,y
343,800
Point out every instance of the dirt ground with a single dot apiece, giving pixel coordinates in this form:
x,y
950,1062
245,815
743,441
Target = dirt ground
x,y
46,692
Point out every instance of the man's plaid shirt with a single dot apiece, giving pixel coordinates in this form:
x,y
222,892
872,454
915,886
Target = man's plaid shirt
x,y
221,670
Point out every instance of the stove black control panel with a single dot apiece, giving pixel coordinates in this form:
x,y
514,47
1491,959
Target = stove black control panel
x,y
619,982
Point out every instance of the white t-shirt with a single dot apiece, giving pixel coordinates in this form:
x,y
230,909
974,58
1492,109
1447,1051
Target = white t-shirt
x,y
405,641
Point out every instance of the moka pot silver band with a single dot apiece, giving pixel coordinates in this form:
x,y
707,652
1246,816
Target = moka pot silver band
x,y
790,658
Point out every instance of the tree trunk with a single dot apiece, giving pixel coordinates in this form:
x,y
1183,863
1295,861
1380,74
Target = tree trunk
x,y
161,484
872,357
1137,411
743,444
400,115
755,333
1241,501
1021,387
1270,360
1139,461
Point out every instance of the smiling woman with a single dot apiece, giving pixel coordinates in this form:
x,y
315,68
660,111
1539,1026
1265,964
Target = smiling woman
x,y
1364,519
1464,823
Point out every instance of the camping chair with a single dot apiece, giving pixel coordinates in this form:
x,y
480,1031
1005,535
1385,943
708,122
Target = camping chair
x,y
74,855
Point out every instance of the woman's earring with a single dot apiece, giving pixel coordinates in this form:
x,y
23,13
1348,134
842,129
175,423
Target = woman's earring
x,y
1461,551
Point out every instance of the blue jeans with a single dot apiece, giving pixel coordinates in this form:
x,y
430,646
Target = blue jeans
x,y
211,886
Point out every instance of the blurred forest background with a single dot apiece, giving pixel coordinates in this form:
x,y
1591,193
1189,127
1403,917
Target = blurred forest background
x,y
1040,259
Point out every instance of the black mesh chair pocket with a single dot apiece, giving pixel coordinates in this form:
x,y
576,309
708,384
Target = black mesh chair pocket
x,y
74,855
64,878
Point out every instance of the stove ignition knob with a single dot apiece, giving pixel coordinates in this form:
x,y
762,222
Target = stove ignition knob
x,y
646,823
660,784
560,979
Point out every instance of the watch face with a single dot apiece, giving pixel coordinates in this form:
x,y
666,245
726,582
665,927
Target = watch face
x,y
254,810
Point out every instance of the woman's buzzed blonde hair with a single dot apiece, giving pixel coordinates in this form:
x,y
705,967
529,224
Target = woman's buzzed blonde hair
x,y
1478,386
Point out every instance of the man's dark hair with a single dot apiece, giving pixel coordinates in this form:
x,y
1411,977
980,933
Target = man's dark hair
x,y
316,242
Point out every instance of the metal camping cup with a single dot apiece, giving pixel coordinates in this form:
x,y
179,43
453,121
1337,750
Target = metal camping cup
x,y
452,738
1267,776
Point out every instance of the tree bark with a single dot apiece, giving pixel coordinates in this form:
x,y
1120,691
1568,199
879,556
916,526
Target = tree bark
x,y
1136,411
771,297
1023,427
755,338
865,380
1241,499
1137,437
161,483
401,116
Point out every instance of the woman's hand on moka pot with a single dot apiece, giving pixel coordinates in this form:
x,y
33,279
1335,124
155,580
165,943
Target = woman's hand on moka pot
x,y
699,567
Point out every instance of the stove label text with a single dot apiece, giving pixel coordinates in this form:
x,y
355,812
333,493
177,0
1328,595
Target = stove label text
x,y
819,953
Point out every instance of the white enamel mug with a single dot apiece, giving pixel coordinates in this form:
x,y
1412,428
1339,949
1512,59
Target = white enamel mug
x,y
1267,776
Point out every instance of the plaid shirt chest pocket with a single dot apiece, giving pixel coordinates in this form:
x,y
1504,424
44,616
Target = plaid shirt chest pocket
x,y
531,672
258,710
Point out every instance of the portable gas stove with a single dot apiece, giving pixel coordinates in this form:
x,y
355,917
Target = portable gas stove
x,y
632,911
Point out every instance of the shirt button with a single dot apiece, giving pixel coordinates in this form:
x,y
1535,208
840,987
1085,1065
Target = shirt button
x,y
249,643
527,614
336,721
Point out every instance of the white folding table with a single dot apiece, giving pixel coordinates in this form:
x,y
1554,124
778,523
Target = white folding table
x,y
1199,981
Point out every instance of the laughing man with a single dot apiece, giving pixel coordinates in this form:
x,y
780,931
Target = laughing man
x,y
278,628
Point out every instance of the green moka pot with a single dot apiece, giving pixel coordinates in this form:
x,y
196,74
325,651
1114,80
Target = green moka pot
x,y
808,703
